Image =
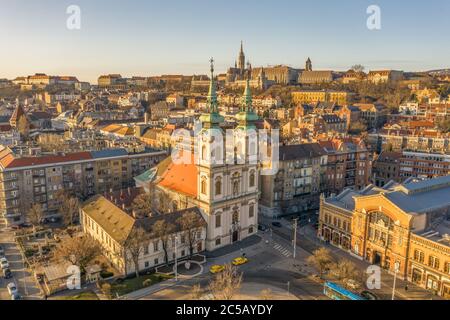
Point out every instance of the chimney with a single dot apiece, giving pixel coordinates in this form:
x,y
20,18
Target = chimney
x,y
129,191
134,214
123,207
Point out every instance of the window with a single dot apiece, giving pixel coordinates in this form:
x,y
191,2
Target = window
x,y
250,230
447,267
218,242
146,250
203,152
156,246
146,264
251,211
218,186
156,261
433,262
218,221
419,256
252,178
203,185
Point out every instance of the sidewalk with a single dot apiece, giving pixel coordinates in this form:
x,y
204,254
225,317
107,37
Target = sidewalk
x,y
308,239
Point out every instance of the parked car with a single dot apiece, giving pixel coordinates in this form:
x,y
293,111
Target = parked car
x,y
7,274
54,219
4,263
26,225
12,288
262,227
2,251
239,260
216,268
277,224
16,296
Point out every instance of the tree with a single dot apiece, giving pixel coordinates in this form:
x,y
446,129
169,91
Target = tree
x,y
163,230
226,284
321,260
358,68
35,215
134,245
345,270
357,127
23,127
191,223
196,292
69,207
143,204
79,251
266,294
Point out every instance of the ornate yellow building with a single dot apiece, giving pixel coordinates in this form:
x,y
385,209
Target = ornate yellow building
x,y
407,225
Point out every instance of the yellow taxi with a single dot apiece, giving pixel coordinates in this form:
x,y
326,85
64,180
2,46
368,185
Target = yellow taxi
x,y
216,268
239,260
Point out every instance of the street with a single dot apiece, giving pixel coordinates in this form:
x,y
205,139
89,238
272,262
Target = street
x,y
21,277
271,266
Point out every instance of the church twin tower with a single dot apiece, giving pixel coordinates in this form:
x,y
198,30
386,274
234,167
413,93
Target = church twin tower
x,y
227,191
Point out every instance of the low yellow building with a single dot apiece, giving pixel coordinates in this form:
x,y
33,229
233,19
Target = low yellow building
x,y
401,224
313,96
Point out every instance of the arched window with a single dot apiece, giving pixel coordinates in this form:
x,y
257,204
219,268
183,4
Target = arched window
x,y
235,183
203,152
203,185
252,178
218,186
235,217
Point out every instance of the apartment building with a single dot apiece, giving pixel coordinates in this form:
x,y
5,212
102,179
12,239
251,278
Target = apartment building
x,y
348,164
399,166
410,140
297,184
383,76
400,225
25,181
374,115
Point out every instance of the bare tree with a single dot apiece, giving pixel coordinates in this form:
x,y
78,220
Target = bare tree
x,y
358,68
35,215
266,294
143,204
226,284
69,206
163,230
23,127
321,259
345,270
191,224
134,246
196,292
79,251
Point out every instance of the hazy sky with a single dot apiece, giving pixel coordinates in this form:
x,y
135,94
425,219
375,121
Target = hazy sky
x,y
150,37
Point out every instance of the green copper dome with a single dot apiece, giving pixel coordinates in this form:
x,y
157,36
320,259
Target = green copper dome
x,y
212,118
246,117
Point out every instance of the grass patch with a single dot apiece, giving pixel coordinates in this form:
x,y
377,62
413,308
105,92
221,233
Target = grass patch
x,y
130,285
88,295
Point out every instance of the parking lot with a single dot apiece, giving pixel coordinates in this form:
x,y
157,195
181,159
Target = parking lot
x,y
22,278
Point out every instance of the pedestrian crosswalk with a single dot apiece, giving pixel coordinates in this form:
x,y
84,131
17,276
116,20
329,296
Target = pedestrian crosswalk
x,y
285,252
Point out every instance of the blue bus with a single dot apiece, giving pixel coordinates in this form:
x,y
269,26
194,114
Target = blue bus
x,y
336,292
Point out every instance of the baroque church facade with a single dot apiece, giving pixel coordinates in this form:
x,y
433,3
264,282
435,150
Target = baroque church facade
x,y
226,192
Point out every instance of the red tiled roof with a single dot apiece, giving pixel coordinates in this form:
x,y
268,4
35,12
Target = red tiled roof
x,y
10,162
181,178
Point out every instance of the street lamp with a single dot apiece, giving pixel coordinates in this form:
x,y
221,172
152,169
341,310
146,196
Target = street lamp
x,y
295,237
396,269
176,259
